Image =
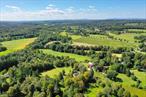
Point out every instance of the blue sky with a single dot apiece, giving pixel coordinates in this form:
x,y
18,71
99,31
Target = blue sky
x,y
17,10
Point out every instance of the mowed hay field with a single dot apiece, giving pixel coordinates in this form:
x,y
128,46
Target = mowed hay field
x,y
137,30
127,39
74,37
127,82
128,36
103,40
74,56
54,72
141,76
15,45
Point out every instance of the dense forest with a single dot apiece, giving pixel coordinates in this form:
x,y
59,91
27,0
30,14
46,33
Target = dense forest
x,y
21,70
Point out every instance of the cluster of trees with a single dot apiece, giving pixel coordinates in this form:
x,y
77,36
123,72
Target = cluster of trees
x,y
24,79
84,30
17,32
34,60
134,60
111,89
105,62
45,39
142,47
142,41
83,50
102,61
36,87
78,81
141,38
18,66
2,48
115,91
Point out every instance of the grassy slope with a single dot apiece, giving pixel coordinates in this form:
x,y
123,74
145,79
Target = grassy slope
x,y
75,56
103,40
93,91
141,76
74,37
15,45
117,55
127,82
128,36
136,30
56,71
97,40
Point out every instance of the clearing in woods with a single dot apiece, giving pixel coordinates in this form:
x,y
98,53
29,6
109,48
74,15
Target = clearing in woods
x,y
103,40
15,45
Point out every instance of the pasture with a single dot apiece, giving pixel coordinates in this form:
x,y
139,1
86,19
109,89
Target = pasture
x,y
15,45
141,76
78,58
103,40
128,36
74,37
137,30
127,82
54,72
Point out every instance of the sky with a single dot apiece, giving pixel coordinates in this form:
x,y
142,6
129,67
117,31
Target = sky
x,y
33,10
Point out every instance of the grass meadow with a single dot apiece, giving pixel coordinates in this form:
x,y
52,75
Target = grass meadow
x,y
15,45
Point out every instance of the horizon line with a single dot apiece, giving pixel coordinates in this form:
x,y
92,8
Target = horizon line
x,y
72,19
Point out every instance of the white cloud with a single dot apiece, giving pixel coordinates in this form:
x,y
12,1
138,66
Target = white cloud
x,y
51,9
51,5
70,9
13,7
91,7
51,12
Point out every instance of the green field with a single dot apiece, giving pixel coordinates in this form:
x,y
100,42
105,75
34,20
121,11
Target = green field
x,y
74,37
117,55
103,40
93,91
136,30
127,39
127,36
127,82
74,56
56,71
15,45
141,76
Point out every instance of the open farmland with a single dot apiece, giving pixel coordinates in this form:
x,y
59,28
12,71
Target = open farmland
x,y
141,76
54,72
74,56
128,36
15,45
137,30
103,40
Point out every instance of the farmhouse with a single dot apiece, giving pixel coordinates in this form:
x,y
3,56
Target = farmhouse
x,y
90,65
